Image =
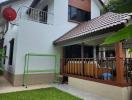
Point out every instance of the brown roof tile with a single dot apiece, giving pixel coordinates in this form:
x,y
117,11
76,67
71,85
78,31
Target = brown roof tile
x,y
105,21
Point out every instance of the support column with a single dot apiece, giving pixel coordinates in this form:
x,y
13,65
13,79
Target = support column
x,y
94,52
82,58
99,54
104,53
62,61
82,50
119,62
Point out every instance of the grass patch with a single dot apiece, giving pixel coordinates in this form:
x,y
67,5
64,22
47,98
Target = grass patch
x,y
39,94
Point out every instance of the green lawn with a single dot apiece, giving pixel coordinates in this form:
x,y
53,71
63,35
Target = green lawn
x,y
39,94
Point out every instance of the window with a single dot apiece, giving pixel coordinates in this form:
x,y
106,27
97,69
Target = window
x,y
4,59
11,52
79,15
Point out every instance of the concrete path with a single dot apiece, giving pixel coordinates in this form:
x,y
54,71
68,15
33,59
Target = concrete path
x,y
4,82
78,93
6,87
21,88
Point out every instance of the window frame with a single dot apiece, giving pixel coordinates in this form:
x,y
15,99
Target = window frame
x,y
11,52
77,20
5,51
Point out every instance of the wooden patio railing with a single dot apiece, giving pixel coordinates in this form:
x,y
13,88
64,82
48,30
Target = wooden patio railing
x,y
101,70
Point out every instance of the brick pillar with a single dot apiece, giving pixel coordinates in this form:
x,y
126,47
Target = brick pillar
x,y
119,62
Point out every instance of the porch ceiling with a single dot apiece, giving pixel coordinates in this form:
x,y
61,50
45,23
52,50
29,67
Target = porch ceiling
x,y
96,27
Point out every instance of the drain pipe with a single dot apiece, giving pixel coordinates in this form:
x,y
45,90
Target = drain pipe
x,y
6,27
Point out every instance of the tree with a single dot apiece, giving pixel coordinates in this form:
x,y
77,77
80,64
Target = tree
x,y
120,6
125,33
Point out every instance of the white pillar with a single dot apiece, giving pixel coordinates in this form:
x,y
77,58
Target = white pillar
x,y
94,52
104,53
99,53
126,53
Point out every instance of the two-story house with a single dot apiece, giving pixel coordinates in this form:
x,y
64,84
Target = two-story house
x,y
46,31
38,24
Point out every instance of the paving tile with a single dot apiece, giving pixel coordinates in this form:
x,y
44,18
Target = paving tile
x,y
6,87
84,95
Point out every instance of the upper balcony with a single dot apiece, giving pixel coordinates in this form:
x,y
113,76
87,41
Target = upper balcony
x,y
33,14
48,12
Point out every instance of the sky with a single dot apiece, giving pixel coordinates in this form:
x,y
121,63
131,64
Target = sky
x,y
2,1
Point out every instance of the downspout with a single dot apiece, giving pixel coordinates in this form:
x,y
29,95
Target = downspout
x,y
6,27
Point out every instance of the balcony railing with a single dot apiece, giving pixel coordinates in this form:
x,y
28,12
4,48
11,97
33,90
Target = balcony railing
x,y
102,70
33,14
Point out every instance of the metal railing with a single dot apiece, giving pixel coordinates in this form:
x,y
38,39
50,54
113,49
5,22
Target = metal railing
x,y
101,69
33,14
128,69
89,67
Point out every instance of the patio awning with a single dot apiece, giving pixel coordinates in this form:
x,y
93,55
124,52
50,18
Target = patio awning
x,y
101,25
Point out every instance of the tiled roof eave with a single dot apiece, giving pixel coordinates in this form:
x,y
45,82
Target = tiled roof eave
x,y
90,35
77,31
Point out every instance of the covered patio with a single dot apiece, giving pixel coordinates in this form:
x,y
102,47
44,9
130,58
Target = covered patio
x,y
83,57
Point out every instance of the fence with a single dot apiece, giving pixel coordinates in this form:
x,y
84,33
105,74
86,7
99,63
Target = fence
x,y
103,70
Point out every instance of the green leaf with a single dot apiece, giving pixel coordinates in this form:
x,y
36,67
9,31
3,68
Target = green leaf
x,y
125,33
130,50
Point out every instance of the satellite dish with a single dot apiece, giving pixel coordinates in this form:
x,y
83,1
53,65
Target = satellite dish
x,y
9,14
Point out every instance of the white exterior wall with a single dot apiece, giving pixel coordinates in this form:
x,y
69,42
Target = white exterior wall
x,y
95,8
34,37
12,33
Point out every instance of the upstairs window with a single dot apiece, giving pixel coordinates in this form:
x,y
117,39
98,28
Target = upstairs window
x,y
76,14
